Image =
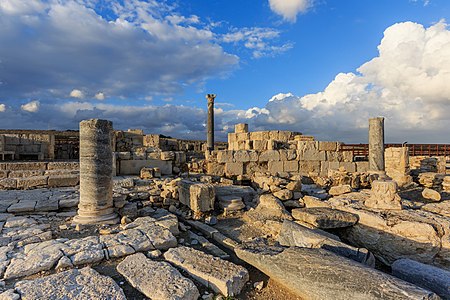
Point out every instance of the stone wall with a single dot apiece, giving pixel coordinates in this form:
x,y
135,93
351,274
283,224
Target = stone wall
x,y
397,164
28,175
420,164
280,151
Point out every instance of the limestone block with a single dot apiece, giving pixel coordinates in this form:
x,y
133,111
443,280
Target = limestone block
x,y
384,195
241,145
26,166
8,183
32,182
309,168
215,169
334,156
180,157
425,276
154,155
241,128
431,194
167,155
260,145
54,165
63,180
271,145
269,155
220,275
160,280
340,189
325,218
242,136
284,194
232,137
25,173
275,167
362,166
245,156
184,187
348,166
3,174
234,169
133,167
291,166
288,154
146,173
248,145
274,135
328,146
285,136
202,197
347,156
224,156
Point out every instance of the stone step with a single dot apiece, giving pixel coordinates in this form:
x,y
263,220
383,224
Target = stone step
x,y
220,275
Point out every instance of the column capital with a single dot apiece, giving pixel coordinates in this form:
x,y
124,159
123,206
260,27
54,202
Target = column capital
x,y
210,97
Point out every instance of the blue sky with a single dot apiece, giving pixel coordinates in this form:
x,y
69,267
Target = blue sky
x,y
149,64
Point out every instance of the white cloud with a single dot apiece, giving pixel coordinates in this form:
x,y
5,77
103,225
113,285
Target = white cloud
x,y
407,83
2,107
100,96
258,40
77,94
32,106
289,9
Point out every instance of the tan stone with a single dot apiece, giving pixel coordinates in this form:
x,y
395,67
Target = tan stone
x,y
260,145
32,182
309,168
430,194
63,180
288,154
234,169
269,155
290,166
340,189
328,146
215,169
384,195
241,128
275,167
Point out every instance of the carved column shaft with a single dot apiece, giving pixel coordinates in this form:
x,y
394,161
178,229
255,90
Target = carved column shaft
x,y
210,122
376,144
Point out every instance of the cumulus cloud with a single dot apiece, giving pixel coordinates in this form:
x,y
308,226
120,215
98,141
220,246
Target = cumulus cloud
x,y
136,49
32,106
407,83
2,107
100,96
76,94
289,9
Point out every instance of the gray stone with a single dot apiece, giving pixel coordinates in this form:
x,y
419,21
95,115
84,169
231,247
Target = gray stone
x,y
426,276
321,275
22,206
73,284
220,275
157,280
293,234
19,222
376,144
325,218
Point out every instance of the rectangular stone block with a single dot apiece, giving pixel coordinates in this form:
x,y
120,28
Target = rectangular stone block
x,y
232,137
269,155
241,128
348,166
133,167
25,173
242,136
335,156
271,145
32,182
26,166
291,166
248,145
309,168
260,145
215,169
232,145
8,183
327,146
220,275
362,166
274,135
3,174
224,156
275,167
347,156
284,136
63,180
63,166
324,167
180,157
234,169
259,135
184,191
153,155
202,197
287,154
240,145
245,156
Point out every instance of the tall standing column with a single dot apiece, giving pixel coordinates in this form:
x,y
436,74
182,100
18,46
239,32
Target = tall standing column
x,y
96,185
376,145
210,123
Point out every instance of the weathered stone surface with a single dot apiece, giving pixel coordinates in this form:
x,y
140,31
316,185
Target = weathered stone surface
x,y
269,207
231,203
284,194
311,201
384,195
376,144
325,218
220,275
73,284
322,275
199,197
63,180
157,280
426,276
22,206
293,234
340,189
431,194
31,182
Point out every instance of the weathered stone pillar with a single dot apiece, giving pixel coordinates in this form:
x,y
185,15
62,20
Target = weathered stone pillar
x,y
210,123
376,145
96,201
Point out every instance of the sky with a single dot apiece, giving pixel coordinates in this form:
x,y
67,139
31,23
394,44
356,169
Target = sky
x,y
320,67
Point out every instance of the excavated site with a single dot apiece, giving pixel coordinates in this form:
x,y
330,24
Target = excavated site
x,y
107,214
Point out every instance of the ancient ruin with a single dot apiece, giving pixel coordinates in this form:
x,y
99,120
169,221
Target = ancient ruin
x,y
267,215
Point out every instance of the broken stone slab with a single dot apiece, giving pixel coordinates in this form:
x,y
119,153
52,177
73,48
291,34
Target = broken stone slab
x,y
423,275
157,280
22,206
269,207
325,218
73,284
431,194
322,275
340,189
293,234
220,275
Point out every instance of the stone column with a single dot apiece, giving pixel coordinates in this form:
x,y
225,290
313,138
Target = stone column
x,y
376,145
96,201
210,123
